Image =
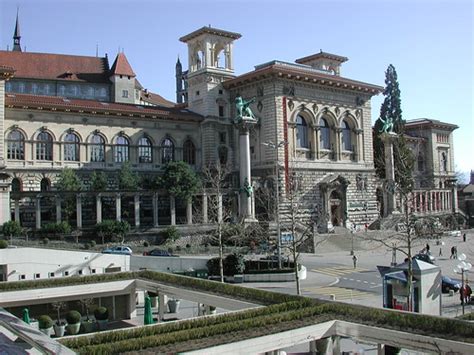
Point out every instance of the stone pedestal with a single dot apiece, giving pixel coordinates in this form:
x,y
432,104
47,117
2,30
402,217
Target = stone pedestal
x,y
390,203
4,202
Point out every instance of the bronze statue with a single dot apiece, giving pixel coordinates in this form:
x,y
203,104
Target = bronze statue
x,y
243,109
387,125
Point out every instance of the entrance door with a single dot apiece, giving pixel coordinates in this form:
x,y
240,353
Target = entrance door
x,y
335,203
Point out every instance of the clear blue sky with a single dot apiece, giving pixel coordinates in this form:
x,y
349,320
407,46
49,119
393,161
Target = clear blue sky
x,y
429,42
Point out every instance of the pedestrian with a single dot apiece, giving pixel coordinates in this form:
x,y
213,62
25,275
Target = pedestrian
x,y
462,294
440,252
468,293
354,260
427,248
453,249
455,252
464,237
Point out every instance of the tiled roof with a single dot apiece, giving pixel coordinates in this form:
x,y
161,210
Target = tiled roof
x,y
121,66
48,66
155,99
302,73
61,104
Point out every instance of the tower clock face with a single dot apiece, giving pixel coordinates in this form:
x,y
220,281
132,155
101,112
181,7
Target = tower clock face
x,y
17,41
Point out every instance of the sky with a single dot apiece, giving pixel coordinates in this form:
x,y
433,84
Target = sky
x,y
430,43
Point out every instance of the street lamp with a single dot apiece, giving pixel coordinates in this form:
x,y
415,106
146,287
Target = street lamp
x,y
461,268
277,190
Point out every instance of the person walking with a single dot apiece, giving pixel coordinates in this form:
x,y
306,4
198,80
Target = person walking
x,y
427,248
464,237
468,291
354,260
453,249
455,252
440,251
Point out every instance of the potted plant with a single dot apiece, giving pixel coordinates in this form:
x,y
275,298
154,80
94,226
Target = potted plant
x,y
45,324
88,324
73,319
102,317
59,326
173,305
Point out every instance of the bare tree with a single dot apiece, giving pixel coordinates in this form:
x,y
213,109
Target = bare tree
x,y
296,221
216,181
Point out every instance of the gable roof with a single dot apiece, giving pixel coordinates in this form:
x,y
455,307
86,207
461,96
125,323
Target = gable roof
x,y
49,66
121,66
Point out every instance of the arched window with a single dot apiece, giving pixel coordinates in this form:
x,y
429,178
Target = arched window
x,y
167,151
71,147
16,145
189,152
44,146
223,153
17,186
144,150
97,148
444,162
325,134
346,136
301,133
45,184
121,149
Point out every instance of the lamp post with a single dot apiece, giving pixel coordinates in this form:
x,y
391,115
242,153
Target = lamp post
x,y
461,268
277,190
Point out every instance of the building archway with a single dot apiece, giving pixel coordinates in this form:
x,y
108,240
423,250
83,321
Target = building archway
x,y
333,189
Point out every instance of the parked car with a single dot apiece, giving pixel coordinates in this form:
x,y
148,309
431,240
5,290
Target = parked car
x,y
454,233
158,252
427,258
449,284
119,249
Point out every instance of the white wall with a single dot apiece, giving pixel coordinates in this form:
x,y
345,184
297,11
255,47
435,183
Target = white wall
x,y
32,261
167,264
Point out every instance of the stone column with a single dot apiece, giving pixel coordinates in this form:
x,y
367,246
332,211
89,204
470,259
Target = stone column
x,y
380,349
79,210
161,305
313,350
442,201
338,146
17,210
173,210
316,142
155,209
336,345
98,208
58,209
38,212
189,211
136,205
245,177
204,208
425,196
118,207
454,200
360,145
324,346
388,139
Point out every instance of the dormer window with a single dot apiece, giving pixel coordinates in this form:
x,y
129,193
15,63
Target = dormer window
x,y
125,94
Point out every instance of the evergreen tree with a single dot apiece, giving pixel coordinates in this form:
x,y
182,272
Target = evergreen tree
x,y
180,180
128,180
68,181
391,110
98,181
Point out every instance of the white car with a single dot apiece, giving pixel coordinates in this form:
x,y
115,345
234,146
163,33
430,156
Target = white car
x,y
119,249
454,233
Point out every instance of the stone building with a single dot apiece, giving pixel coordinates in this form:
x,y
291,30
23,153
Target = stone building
x,y
60,111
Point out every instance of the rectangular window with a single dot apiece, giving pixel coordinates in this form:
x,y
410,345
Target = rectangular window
x,y
51,274
37,276
222,138
93,271
221,111
22,277
79,272
66,273
197,93
125,93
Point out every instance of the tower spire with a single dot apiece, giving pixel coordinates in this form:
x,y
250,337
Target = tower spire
x,y
16,35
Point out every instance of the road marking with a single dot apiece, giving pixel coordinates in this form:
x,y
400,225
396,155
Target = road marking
x,y
338,270
339,292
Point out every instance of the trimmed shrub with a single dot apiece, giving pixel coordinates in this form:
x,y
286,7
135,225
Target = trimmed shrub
x,y
93,243
11,229
56,228
101,313
146,244
3,244
170,234
45,241
45,322
73,317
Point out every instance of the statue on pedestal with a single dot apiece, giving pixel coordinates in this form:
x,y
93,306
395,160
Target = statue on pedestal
x,y
387,125
243,109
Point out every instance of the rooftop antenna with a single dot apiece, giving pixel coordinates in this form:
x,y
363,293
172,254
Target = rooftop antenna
x,y
97,49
